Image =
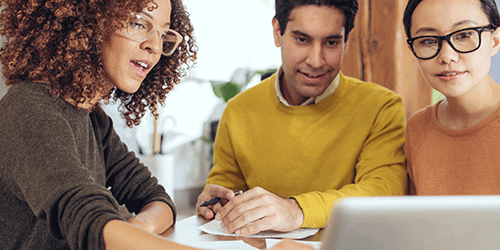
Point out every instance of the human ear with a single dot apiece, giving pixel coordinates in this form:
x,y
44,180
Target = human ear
x,y
495,38
276,32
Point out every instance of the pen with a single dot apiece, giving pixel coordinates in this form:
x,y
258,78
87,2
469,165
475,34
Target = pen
x,y
216,200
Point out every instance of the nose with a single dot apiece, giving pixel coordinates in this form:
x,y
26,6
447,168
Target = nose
x,y
447,53
153,44
315,57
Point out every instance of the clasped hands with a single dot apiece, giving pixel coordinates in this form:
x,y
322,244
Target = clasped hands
x,y
253,211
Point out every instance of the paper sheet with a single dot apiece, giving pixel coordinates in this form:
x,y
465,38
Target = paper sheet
x,y
213,227
222,245
316,244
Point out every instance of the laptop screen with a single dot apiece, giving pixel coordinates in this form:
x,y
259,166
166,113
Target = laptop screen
x,y
414,222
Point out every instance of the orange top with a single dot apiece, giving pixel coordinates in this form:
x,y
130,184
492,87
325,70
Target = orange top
x,y
442,161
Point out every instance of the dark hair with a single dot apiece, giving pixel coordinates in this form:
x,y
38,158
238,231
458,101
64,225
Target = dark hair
x,y
58,42
489,8
285,7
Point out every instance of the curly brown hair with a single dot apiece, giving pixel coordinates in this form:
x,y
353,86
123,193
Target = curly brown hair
x,y
58,42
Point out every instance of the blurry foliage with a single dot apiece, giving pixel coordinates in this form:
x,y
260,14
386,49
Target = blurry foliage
x,y
239,80
226,90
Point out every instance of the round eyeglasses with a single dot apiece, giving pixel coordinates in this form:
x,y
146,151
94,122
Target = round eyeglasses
x,y
140,28
462,41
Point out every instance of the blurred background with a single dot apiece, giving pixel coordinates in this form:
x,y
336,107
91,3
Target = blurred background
x,y
236,47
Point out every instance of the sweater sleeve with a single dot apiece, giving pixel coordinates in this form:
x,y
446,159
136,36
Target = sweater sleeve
x,y
380,169
129,180
226,171
46,167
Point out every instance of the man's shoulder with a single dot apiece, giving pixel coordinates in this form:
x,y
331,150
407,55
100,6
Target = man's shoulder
x,y
258,93
368,94
368,88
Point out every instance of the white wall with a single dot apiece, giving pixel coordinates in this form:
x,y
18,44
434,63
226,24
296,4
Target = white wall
x,y
232,34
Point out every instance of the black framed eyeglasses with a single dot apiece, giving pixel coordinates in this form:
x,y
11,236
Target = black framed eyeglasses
x,y
462,41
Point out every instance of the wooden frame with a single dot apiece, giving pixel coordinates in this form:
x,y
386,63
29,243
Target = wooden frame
x,y
378,53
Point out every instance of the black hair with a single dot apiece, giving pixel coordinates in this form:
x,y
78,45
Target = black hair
x,y
285,7
489,8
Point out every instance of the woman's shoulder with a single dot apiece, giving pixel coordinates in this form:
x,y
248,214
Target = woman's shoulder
x,y
420,124
29,97
31,103
101,120
422,116
418,128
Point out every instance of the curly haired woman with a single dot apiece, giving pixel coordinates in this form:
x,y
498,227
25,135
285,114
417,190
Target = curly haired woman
x,y
64,170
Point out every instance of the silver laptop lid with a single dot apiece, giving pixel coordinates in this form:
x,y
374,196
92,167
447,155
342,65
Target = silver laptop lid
x,y
414,222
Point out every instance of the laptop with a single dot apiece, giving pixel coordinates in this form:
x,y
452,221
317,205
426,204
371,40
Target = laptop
x,y
414,222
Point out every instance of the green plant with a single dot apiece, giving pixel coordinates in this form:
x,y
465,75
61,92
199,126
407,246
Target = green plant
x,y
225,91
239,80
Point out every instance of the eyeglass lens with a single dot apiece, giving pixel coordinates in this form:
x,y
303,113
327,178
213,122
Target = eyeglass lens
x,y
462,41
141,29
170,41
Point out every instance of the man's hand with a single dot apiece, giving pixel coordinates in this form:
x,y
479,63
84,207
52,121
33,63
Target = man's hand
x,y
258,210
213,191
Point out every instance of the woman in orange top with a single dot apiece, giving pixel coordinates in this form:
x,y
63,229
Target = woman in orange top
x,y
452,147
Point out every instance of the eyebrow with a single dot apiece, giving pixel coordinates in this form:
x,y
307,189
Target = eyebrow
x,y
167,24
456,25
296,32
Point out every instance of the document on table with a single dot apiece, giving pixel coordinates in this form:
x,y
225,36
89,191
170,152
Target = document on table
x,y
222,245
316,244
213,227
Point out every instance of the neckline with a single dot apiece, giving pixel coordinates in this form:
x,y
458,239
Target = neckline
x,y
464,131
323,104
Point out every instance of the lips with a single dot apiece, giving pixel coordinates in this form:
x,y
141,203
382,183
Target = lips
x,y
141,67
312,78
450,75
144,64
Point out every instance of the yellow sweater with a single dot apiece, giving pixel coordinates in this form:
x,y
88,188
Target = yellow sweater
x,y
349,144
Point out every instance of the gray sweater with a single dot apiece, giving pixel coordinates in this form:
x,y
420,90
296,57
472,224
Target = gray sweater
x,y
63,172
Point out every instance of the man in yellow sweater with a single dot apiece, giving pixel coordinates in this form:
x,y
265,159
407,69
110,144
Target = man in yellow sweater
x,y
306,136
